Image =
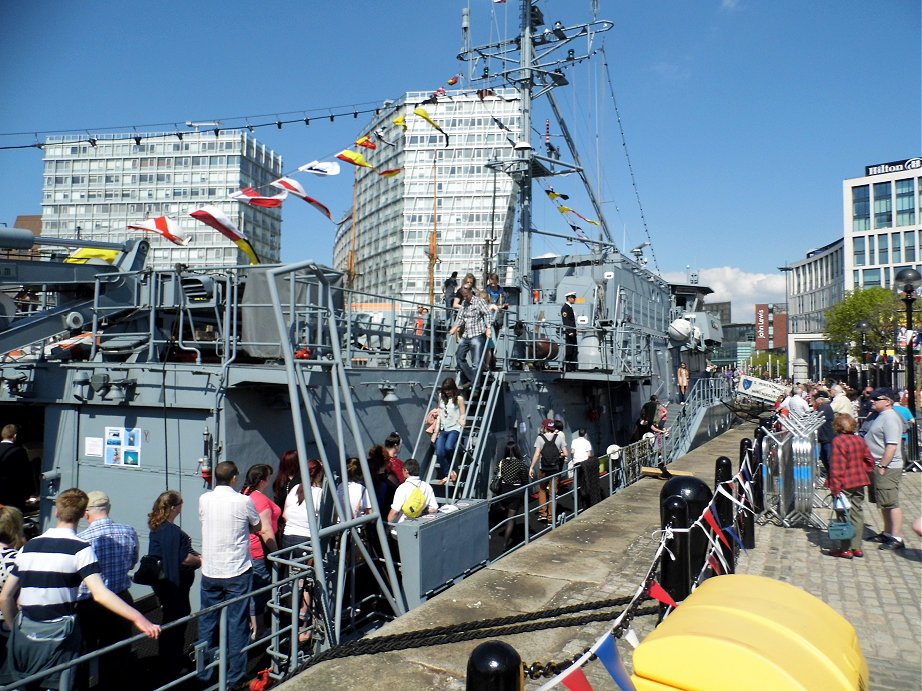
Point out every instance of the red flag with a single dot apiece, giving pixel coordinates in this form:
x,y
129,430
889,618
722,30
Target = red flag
x,y
249,195
390,173
711,521
715,565
366,143
166,227
214,217
577,681
296,189
657,592
454,80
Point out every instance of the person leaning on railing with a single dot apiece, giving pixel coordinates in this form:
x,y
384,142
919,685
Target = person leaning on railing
x,y
46,579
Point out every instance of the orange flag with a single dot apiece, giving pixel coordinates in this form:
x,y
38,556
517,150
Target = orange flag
x,y
353,157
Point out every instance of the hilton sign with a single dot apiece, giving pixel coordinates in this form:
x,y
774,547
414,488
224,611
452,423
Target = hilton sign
x,y
893,167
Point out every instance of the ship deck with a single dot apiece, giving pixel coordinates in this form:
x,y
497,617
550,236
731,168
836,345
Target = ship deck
x,y
605,553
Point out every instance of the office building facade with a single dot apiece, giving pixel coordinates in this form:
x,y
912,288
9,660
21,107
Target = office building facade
x,y
94,189
451,200
881,212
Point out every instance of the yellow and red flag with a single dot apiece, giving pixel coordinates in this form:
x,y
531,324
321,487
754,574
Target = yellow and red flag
x,y
366,142
390,173
353,157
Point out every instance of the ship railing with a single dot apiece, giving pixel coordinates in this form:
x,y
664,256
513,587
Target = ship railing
x,y
284,638
704,393
569,494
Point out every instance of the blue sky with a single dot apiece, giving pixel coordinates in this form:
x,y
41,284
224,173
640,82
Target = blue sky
x,y
741,118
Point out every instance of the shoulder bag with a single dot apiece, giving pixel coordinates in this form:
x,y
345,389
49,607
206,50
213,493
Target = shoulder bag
x,y
150,570
496,484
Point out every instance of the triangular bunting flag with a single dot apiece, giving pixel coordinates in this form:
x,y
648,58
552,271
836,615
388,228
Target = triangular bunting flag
x,y
608,654
249,195
166,227
712,521
577,681
715,566
657,592
401,122
353,157
423,113
390,173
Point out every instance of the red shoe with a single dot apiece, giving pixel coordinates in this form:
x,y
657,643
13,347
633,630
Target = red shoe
x,y
844,554
857,553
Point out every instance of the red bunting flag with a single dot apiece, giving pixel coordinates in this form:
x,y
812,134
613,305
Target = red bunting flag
x,y
249,195
353,157
217,219
577,681
454,80
166,227
366,143
390,173
715,565
296,189
711,521
657,592
587,220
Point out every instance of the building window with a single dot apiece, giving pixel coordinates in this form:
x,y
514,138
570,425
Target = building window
x,y
871,278
905,203
861,208
859,251
896,248
883,253
883,205
909,244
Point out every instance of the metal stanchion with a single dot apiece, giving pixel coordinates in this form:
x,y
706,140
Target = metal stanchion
x,y
723,471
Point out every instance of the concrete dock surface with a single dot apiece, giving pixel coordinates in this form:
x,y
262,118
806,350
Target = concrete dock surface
x,y
605,553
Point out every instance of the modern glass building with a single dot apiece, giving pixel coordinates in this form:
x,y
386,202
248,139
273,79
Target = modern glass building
x,y
94,188
882,223
450,201
813,285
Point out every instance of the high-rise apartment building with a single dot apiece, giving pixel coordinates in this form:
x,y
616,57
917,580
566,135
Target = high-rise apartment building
x,y
94,189
451,195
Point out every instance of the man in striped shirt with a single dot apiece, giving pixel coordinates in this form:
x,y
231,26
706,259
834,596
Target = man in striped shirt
x,y
47,576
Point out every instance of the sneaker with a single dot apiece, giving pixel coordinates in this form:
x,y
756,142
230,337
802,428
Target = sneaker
x,y
895,543
844,554
882,538
857,553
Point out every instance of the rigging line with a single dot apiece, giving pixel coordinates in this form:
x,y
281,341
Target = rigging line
x,y
630,167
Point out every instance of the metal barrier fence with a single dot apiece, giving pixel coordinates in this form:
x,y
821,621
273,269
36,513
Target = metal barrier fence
x,y
789,453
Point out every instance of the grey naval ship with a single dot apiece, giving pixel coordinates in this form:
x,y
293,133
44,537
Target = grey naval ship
x,y
138,380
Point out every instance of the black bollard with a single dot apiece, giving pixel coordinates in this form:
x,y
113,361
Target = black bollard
x,y
675,574
747,520
697,496
723,471
495,666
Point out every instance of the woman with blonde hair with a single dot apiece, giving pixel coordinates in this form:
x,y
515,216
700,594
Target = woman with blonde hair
x,y
174,547
11,540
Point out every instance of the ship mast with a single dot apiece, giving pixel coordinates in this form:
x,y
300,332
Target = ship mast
x,y
533,63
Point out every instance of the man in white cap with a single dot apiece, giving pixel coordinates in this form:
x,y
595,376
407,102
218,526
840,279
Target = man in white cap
x,y
116,549
568,319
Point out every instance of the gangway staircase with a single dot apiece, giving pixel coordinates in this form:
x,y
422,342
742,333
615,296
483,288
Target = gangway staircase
x,y
466,466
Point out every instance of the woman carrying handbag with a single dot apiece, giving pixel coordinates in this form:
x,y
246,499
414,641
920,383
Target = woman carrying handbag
x,y
850,468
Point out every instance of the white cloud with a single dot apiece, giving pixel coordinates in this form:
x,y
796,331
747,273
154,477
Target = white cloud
x,y
742,289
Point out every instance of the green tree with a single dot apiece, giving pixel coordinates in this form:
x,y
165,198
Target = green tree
x,y
760,363
879,308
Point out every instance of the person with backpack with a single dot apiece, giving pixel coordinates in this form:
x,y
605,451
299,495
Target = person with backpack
x,y
551,451
414,497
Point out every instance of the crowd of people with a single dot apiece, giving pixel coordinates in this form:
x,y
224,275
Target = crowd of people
x,y
864,447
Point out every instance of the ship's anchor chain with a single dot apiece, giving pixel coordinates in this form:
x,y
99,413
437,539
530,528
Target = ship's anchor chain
x,y
473,630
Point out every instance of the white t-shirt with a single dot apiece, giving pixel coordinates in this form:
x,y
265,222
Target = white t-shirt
x,y
296,514
226,517
580,450
404,491
798,405
358,498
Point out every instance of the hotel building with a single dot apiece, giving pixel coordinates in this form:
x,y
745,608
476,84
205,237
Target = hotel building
x,y
93,188
451,198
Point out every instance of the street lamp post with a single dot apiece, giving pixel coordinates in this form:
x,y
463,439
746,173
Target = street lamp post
x,y
907,282
863,370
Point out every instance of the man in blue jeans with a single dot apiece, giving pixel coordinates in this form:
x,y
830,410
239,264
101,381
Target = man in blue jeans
x,y
227,518
475,317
